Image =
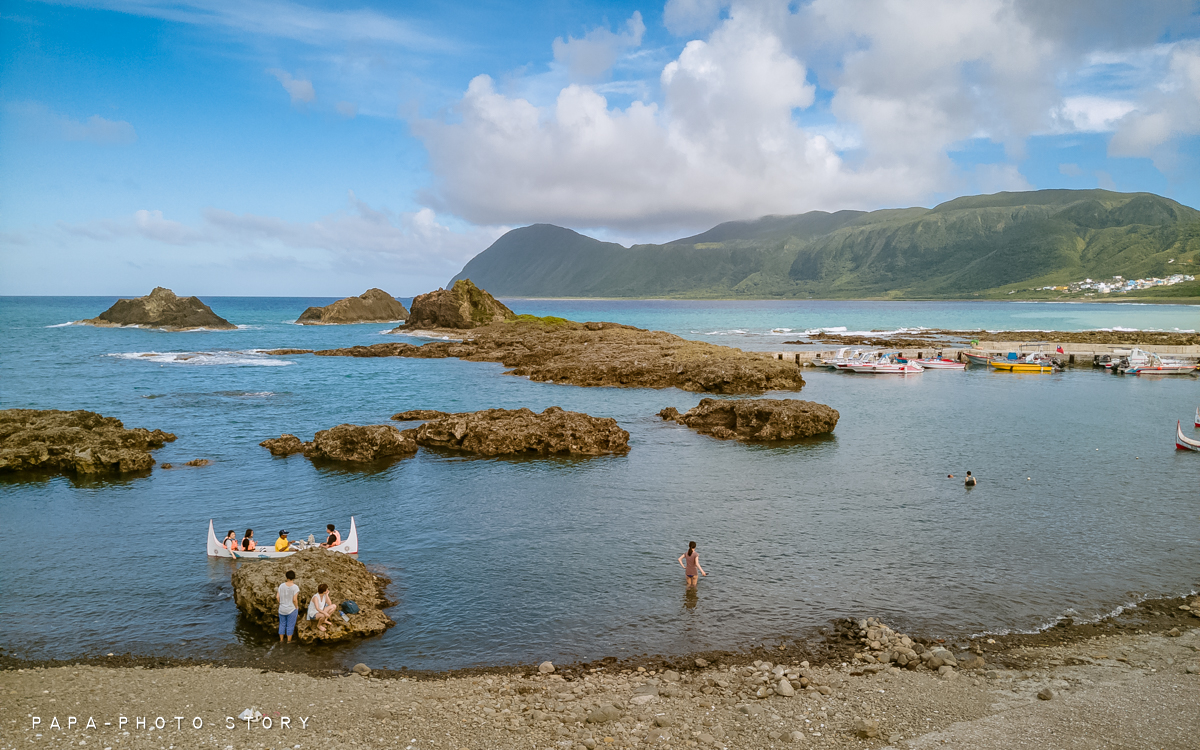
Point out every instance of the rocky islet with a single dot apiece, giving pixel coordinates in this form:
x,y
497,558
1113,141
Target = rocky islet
x,y
74,442
462,306
500,432
348,443
161,309
758,419
372,306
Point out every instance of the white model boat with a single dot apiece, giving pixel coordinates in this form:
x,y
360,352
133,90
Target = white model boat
x,y
349,546
1182,443
941,363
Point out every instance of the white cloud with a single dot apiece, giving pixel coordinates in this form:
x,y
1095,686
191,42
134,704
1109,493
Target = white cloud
x,y
361,234
591,56
347,109
299,89
689,16
995,178
1170,110
1091,114
40,121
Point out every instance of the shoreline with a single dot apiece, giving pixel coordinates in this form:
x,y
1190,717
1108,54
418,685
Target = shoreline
x,y
1120,683
822,648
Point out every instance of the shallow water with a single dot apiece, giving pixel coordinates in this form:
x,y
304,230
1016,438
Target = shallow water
x,y
1083,505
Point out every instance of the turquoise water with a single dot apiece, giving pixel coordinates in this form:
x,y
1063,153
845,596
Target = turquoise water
x,y
1083,504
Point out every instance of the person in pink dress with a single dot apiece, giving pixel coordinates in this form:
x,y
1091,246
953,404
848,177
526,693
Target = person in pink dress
x,y
690,562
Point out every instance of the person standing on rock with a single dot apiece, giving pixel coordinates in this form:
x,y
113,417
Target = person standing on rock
x,y
288,596
690,562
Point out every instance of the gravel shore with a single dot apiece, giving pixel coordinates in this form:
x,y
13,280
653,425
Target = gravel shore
x,y
1109,687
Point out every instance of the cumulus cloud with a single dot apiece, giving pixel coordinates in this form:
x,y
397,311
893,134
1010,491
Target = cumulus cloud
x,y
299,89
689,16
592,55
1170,110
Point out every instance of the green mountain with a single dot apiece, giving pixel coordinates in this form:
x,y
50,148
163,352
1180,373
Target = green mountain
x,y
975,246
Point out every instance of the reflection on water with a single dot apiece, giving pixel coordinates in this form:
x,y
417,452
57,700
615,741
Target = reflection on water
x,y
1083,503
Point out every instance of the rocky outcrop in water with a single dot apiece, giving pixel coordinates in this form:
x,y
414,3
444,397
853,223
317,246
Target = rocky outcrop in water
x,y
74,442
420,415
757,419
603,354
462,306
161,309
498,432
372,306
255,584
350,443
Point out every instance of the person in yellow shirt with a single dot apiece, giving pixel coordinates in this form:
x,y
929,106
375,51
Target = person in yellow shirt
x,y
282,544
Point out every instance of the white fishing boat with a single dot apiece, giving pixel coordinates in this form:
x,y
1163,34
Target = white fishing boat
x,y
1156,365
349,546
1182,443
887,366
976,357
941,363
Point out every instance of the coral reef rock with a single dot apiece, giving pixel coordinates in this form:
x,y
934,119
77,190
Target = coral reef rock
x,y
161,309
496,432
756,419
256,582
372,306
351,443
603,354
74,442
464,305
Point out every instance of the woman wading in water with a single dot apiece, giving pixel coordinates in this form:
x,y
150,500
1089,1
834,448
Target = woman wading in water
x,y
690,562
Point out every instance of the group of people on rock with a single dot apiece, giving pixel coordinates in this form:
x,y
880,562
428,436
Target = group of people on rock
x,y
320,608
282,544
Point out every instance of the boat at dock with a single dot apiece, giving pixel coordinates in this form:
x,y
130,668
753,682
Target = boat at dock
x,y
885,365
941,363
348,546
975,357
1153,364
1182,443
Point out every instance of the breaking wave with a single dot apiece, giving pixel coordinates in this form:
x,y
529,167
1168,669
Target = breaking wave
x,y
233,358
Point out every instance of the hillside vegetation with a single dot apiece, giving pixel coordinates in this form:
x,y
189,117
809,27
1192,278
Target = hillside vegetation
x,y
974,247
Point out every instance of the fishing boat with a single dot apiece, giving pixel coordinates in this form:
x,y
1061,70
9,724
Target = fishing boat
x,y
1182,443
941,363
349,546
1016,366
1156,365
977,357
887,366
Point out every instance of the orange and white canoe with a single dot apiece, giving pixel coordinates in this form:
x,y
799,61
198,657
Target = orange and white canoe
x,y
348,546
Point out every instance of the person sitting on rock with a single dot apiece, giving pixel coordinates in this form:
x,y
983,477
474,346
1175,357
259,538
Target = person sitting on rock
x,y
231,542
970,480
282,544
248,544
334,537
320,608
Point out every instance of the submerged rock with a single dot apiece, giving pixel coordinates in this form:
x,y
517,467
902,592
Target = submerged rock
x,y
256,582
372,306
464,305
347,442
495,432
756,419
74,442
161,309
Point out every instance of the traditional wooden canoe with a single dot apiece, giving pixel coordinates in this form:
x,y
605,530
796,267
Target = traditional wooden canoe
x,y
1182,443
349,546
1198,417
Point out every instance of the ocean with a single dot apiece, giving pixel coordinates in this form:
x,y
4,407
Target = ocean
x,y
1083,504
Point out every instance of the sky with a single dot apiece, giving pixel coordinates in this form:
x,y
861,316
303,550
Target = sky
x,y
286,148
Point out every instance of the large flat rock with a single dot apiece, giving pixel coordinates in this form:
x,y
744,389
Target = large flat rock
x,y
498,432
350,443
74,442
255,583
756,419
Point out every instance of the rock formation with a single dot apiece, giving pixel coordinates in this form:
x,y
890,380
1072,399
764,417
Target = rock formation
x,y
462,306
372,306
420,415
347,442
756,419
255,584
74,442
161,309
497,432
603,354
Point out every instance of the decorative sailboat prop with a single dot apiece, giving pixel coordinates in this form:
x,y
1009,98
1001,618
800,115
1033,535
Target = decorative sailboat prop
x,y
1182,443
348,546
1198,416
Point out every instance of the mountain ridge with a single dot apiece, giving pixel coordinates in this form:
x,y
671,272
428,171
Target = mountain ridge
x,y
968,247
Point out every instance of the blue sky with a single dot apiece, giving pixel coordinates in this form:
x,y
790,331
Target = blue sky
x,y
284,148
